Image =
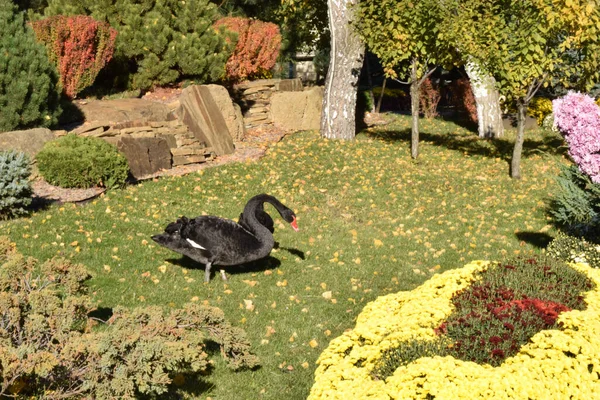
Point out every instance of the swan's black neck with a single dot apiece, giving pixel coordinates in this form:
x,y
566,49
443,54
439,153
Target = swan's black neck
x,y
258,229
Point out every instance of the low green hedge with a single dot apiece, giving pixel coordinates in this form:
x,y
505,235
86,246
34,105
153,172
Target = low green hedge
x,y
74,161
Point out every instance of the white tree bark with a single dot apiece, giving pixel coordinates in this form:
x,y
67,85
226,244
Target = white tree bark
x,y
341,85
489,112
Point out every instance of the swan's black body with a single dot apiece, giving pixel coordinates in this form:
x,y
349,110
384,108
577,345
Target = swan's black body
x,y
213,240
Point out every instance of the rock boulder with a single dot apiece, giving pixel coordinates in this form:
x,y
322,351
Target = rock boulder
x,y
231,112
200,112
121,110
145,155
296,111
29,141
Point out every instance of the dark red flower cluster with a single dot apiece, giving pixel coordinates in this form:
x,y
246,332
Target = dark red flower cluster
x,y
499,313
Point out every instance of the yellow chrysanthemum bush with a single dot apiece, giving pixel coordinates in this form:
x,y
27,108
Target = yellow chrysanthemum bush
x,y
405,345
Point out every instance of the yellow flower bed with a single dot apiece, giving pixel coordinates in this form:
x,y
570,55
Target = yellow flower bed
x,y
555,365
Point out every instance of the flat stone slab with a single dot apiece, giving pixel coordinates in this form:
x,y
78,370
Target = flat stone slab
x,y
201,113
122,110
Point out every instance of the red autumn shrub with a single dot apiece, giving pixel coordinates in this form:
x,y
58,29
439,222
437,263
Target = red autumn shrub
x,y
429,98
79,46
256,50
462,98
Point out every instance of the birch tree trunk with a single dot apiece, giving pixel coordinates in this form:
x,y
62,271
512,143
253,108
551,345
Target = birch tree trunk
x,y
489,112
515,162
341,85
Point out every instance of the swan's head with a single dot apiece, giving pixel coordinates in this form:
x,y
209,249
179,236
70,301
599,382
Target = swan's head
x,y
290,217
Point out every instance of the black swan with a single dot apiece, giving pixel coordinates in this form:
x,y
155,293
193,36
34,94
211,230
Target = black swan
x,y
219,241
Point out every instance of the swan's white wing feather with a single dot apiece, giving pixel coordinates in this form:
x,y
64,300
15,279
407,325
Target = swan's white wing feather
x,y
194,244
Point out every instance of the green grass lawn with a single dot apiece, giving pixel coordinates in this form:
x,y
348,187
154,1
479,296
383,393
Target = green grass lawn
x,y
373,221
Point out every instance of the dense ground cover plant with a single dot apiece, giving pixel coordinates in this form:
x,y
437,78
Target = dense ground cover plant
x,y
159,42
372,222
257,47
75,161
15,189
499,313
29,96
79,47
51,349
559,363
574,249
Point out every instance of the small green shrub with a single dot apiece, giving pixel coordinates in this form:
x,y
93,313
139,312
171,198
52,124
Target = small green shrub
x,y
53,349
498,313
75,161
29,96
15,189
573,249
575,205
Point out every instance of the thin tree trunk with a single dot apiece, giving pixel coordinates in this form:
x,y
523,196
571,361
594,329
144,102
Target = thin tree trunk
x,y
378,108
414,109
338,119
371,105
515,162
489,112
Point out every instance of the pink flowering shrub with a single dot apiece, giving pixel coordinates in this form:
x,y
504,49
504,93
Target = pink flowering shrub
x,y
577,116
79,46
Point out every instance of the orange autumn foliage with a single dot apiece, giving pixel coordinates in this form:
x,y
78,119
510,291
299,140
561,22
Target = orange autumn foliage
x,y
256,50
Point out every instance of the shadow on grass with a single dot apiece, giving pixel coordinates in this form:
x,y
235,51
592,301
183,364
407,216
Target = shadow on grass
x,y
254,266
538,239
474,145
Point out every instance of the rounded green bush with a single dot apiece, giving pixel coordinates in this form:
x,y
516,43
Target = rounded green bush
x,y
81,162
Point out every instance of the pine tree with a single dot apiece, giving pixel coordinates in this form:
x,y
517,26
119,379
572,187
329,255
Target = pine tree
x,y
576,203
15,189
28,91
164,40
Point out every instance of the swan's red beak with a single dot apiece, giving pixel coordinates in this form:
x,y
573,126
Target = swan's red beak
x,y
294,224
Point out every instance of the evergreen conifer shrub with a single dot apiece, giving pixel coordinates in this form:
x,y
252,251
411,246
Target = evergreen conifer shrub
x,y
163,40
52,349
575,205
75,161
28,82
15,189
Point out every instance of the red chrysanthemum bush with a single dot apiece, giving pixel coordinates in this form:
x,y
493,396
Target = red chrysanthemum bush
x,y
79,46
257,47
499,313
